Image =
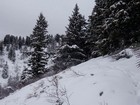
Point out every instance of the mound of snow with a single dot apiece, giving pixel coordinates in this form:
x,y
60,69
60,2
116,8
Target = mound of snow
x,y
127,53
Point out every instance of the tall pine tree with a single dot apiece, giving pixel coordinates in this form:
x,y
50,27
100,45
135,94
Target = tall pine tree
x,y
38,42
94,28
72,52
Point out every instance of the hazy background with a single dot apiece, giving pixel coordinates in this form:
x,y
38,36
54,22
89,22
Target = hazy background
x,y
18,17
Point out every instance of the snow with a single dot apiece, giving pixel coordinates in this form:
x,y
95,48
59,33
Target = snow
x,y
99,81
72,47
15,68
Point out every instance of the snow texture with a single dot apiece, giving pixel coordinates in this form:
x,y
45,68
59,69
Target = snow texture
x,y
99,81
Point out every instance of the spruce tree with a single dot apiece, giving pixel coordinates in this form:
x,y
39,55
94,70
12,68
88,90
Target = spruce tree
x,y
7,39
20,42
114,25
57,38
1,48
134,23
38,42
76,29
94,28
72,52
115,30
27,41
12,54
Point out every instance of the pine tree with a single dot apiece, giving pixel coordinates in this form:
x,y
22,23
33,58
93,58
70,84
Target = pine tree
x,y
12,54
57,38
16,43
5,71
12,40
7,40
38,42
94,28
90,45
113,25
23,41
1,48
134,23
72,52
20,42
27,41
76,29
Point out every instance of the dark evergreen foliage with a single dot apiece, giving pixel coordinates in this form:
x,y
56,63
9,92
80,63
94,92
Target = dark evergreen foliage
x,y
76,29
57,38
72,51
68,56
114,25
38,43
12,54
1,48
7,40
20,42
17,42
27,41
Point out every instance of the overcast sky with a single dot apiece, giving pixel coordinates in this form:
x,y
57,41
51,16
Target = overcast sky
x,y
18,17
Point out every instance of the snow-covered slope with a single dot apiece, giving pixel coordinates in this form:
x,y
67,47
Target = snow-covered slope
x,y
100,81
14,68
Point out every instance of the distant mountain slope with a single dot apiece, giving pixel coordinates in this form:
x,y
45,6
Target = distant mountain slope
x,y
14,68
99,81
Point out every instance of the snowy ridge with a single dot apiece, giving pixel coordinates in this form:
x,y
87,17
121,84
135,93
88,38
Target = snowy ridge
x,y
99,81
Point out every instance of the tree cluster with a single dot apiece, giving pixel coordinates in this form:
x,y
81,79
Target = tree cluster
x,y
16,41
114,25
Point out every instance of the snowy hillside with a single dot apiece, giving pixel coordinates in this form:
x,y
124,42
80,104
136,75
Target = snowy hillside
x,y
14,68
99,81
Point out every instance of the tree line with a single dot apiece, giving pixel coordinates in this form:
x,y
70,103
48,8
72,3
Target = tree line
x,y
113,25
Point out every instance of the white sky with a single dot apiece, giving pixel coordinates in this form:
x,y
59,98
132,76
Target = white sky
x,y
18,17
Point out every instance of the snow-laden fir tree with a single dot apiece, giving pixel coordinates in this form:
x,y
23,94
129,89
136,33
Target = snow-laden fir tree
x,y
38,58
75,33
134,23
5,71
94,28
115,31
72,52
114,25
